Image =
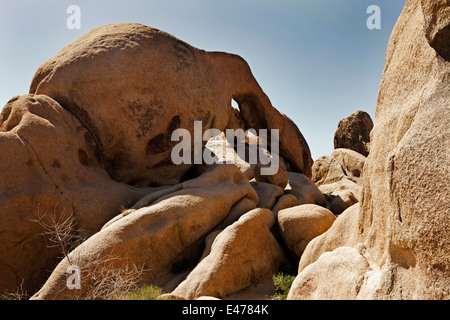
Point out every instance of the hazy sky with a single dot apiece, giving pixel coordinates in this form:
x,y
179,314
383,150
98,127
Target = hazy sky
x,y
315,59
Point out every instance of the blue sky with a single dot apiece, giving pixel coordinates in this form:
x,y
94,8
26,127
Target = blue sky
x,y
315,59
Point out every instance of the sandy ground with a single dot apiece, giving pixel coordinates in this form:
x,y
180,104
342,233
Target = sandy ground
x,y
260,291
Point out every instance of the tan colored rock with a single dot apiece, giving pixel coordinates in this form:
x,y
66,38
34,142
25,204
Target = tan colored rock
x,y
299,225
208,244
279,179
236,121
304,189
341,201
285,201
351,162
268,194
326,170
225,153
344,270
436,20
131,86
207,298
170,279
408,165
353,132
49,170
334,189
339,177
153,237
403,220
343,232
243,254
241,207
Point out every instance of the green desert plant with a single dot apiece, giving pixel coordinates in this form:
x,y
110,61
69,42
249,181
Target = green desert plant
x,y
147,292
282,283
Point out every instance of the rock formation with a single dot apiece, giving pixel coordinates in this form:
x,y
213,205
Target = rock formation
x,y
50,172
89,149
300,224
353,132
243,254
131,86
153,237
398,238
339,178
87,175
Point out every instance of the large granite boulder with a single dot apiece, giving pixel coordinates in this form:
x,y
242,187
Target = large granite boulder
x,y
401,230
353,132
132,85
153,237
50,173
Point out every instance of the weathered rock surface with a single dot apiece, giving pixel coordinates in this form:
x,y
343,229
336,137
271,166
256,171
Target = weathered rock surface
x,y
225,153
343,269
351,162
304,189
343,232
279,179
403,219
284,202
409,167
49,171
342,163
326,170
341,200
101,120
333,189
95,132
131,86
353,132
243,254
436,18
339,177
154,236
268,194
299,225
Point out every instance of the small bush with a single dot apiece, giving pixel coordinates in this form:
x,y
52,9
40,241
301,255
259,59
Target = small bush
x,y
147,292
282,283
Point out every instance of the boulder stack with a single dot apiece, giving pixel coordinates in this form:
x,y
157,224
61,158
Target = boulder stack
x,y
88,175
93,205
398,238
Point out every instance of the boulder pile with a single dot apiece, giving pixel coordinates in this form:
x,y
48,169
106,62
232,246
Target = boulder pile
x,y
394,244
88,178
93,203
